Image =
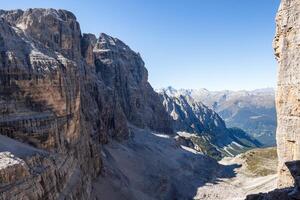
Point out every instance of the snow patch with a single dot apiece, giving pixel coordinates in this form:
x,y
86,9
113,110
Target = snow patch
x,y
161,135
226,150
189,149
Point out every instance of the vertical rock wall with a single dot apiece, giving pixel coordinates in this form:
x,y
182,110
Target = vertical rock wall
x,y
41,105
287,51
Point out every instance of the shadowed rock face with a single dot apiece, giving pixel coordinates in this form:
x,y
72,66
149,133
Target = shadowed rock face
x,y
64,94
41,86
286,45
294,168
122,71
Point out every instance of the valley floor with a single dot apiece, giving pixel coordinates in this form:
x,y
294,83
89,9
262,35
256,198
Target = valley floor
x,y
238,187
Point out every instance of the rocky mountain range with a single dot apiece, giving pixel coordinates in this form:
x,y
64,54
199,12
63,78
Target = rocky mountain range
x,y
204,127
63,95
252,111
79,118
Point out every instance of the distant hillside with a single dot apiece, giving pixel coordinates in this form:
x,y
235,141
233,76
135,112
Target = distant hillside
x,y
253,111
201,128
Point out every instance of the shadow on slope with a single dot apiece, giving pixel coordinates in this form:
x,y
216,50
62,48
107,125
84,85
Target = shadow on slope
x,y
154,166
278,194
18,149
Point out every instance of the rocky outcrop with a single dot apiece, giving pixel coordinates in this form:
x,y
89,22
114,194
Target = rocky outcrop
x,y
12,168
117,90
202,127
64,94
286,44
123,72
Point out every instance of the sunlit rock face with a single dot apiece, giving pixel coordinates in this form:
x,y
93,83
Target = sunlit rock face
x,y
286,45
63,94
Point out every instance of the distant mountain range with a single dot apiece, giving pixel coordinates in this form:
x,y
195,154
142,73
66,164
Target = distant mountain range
x,y
252,111
201,128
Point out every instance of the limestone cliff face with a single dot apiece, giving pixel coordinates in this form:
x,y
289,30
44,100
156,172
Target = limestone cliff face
x,y
286,45
40,75
122,72
63,94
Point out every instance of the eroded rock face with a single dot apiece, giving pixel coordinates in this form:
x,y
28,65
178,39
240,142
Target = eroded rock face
x,y
40,100
123,72
11,168
286,45
65,94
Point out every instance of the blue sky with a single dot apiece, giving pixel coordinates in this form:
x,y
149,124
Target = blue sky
x,y
216,44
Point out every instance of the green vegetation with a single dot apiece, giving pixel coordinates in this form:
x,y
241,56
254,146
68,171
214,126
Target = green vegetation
x,y
206,147
261,162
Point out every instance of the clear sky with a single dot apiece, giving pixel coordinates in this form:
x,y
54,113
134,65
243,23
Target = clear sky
x,y
216,44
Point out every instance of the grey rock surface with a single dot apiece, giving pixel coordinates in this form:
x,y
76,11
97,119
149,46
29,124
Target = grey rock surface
x,y
286,44
65,93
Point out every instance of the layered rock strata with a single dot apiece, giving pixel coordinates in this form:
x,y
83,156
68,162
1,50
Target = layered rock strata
x,y
122,72
41,105
286,45
64,94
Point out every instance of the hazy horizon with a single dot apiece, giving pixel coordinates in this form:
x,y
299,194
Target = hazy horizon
x,y
203,88
211,44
